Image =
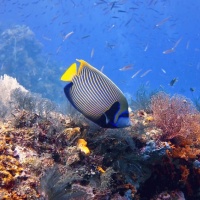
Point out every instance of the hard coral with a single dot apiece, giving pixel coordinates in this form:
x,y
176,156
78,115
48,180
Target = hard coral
x,y
173,115
10,169
5,195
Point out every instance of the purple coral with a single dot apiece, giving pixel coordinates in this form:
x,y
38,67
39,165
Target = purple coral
x,y
173,115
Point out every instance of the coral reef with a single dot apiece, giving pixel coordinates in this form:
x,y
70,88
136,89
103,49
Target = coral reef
x,y
142,99
7,86
17,97
170,195
46,155
21,57
197,103
18,49
9,170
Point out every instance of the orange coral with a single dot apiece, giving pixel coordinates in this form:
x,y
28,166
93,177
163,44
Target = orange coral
x,y
10,168
101,169
3,146
5,195
185,153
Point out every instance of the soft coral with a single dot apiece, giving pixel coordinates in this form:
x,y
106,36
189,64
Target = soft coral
x,y
174,115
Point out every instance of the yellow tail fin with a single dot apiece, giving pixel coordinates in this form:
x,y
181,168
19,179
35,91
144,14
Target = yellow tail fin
x,y
69,73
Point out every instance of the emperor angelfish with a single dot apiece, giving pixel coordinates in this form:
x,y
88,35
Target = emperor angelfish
x,y
96,96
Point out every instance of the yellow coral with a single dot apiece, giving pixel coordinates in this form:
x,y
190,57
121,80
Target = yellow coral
x,y
82,145
3,146
149,119
81,142
101,169
5,178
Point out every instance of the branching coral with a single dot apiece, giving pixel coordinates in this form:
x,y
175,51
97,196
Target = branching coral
x,y
173,115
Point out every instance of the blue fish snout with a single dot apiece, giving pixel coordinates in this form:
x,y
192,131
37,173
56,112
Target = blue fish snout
x,y
123,122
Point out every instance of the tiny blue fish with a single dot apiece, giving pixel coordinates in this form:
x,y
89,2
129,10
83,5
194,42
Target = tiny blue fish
x,y
96,96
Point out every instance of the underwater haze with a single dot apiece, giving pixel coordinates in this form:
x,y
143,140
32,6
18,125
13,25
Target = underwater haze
x,y
149,43
138,81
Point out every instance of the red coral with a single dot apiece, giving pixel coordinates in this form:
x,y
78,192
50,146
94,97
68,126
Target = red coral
x,y
173,115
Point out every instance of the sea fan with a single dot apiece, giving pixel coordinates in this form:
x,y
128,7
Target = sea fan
x,y
173,115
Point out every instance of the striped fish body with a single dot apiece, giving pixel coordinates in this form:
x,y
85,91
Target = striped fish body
x,y
97,97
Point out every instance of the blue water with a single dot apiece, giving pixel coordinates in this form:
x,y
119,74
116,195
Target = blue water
x,y
115,34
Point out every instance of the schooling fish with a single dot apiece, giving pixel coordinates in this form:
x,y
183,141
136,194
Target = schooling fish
x,y
96,96
173,81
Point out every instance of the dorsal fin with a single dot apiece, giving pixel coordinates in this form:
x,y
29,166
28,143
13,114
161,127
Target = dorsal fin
x,y
83,63
69,73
